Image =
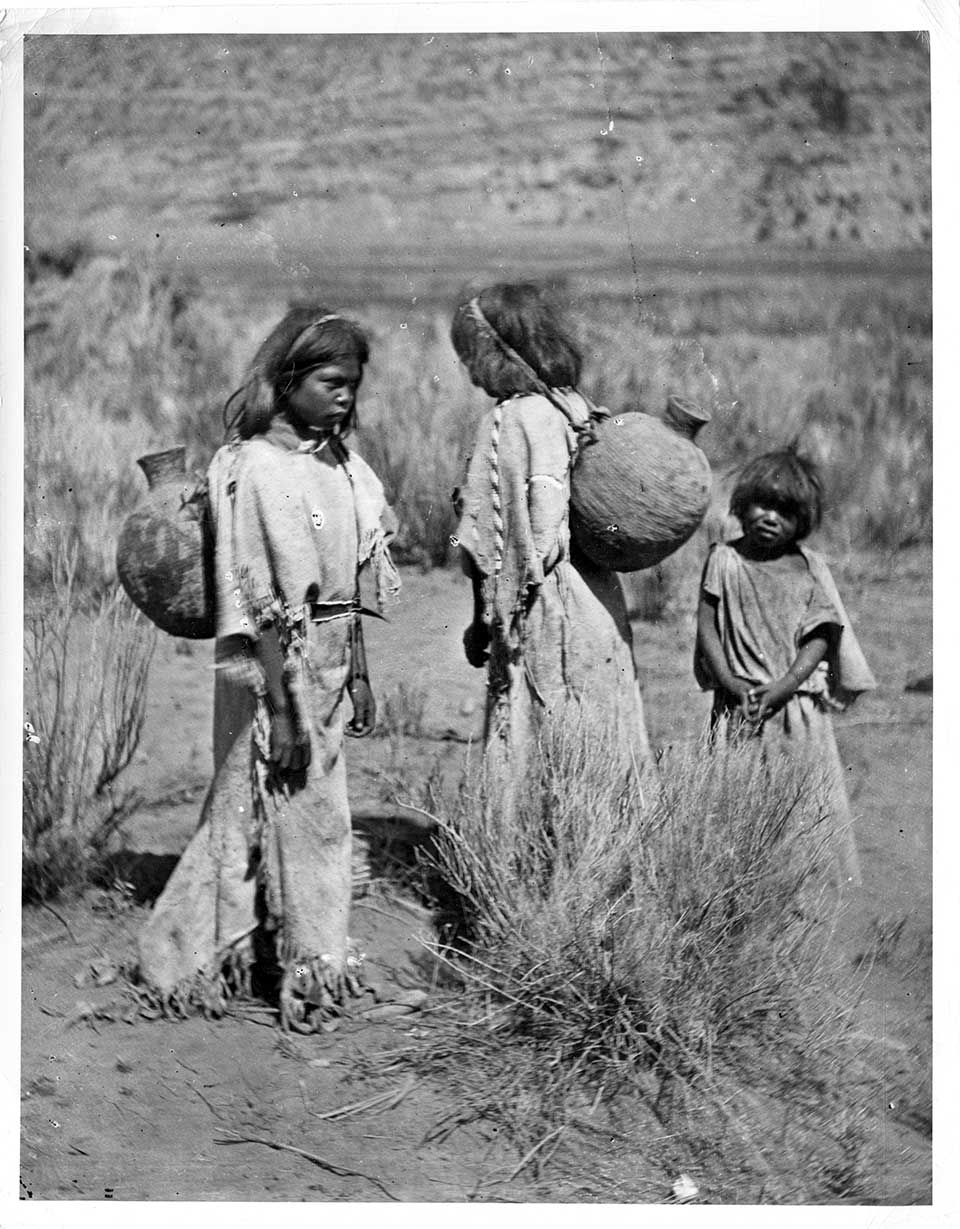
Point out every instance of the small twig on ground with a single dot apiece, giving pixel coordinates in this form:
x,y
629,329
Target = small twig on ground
x,y
412,906
446,1125
250,1019
247,1011
307,1156
362,904
487,1182
608,1133
431,819
209,1104
60,918
536,1148
381,1101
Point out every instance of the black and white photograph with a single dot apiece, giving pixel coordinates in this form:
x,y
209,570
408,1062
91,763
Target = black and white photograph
x,y
573,843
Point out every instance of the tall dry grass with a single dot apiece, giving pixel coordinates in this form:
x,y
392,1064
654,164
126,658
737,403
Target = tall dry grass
x,y
124,357
845,371
85,690
121,359
668,939
417,416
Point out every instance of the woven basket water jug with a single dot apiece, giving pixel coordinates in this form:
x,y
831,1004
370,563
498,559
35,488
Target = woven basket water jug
x,y
165,550
641,489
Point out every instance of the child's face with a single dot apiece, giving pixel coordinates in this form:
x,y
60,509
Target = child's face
x,y
769,527
326,395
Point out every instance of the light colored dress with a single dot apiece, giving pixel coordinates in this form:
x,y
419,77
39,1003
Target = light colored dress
x,y
560,633
270,864
764,611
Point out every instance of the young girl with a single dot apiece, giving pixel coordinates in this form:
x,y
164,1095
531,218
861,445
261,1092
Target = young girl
x,y
266,879
550,626
774,643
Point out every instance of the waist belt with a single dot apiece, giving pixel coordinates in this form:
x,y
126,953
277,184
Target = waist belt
x,y
325,612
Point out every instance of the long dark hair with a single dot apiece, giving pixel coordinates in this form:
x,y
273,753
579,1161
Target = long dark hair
x,y
514,317
308,336
783,479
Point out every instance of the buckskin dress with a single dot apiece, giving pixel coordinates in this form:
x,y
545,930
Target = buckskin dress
x,y
561,638
271,859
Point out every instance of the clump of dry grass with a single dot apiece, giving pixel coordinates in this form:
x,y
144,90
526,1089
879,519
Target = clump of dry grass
x,y
86,688
683,911
122,359
669,938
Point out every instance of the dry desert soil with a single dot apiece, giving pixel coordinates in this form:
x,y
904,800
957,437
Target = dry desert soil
x,y
151,1110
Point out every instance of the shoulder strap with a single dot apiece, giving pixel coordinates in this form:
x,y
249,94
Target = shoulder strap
x,y
586,432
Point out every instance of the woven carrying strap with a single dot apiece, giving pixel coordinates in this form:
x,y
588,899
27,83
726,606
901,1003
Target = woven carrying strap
x,y
586,433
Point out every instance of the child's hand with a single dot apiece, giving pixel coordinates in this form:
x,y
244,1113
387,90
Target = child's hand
x,y
768,697
476,641
745,694
364,709
289,745
772,696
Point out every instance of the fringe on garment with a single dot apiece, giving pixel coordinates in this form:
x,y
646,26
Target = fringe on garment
x,y
373,546
207,993
313,987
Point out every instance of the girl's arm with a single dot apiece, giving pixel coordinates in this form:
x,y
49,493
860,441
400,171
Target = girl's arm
x,y
547,504
476,639
812,651
240,533
289,737
259,665
708,642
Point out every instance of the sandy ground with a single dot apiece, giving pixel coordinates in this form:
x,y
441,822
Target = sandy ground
x,y
114,1111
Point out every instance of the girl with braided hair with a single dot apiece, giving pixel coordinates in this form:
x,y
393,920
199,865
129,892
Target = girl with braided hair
x,y
550,626
265,884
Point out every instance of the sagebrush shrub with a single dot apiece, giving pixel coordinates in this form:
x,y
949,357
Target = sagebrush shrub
x,y
668,917
85,692
668,936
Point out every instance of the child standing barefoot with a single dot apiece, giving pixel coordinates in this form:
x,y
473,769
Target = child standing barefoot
x,y
773,641
267,877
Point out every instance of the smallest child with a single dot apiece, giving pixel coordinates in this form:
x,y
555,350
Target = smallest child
x,y
774,643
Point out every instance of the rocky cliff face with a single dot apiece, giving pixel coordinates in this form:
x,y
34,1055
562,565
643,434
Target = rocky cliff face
x,y
803,141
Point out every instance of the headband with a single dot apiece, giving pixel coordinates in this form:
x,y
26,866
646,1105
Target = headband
x,y
314,324
475,310
586,432
287,368
290,367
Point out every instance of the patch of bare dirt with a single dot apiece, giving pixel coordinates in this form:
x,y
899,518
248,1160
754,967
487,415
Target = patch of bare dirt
x,y
230,1109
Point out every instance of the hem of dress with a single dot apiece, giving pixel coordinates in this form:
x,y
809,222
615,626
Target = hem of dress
x,y
312,989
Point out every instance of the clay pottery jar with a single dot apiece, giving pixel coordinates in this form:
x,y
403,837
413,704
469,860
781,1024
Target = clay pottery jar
x,y
165,549
642,488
